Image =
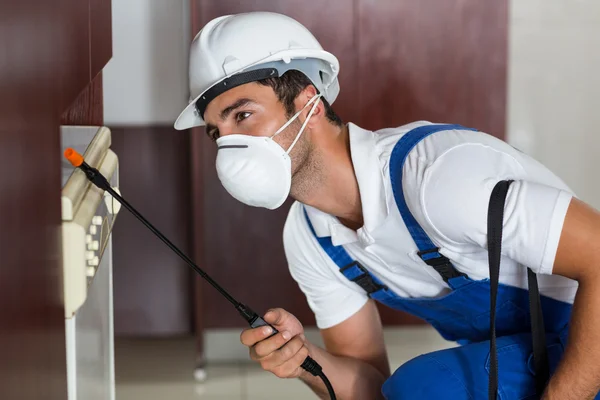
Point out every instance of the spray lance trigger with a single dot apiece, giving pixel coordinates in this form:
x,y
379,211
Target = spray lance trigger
x,y
309,365
253,319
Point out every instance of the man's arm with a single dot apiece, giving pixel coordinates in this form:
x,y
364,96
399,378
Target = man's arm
x,y
355,361
534,213
355,358
578,257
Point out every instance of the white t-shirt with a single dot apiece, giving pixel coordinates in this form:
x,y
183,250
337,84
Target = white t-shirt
x,y
447,179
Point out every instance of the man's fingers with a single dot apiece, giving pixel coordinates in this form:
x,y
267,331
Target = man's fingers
x,y
276,316
292,368
282,355
250,337
266,347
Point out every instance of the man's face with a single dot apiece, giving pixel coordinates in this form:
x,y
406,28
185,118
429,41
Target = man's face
x,y
251,109
255,110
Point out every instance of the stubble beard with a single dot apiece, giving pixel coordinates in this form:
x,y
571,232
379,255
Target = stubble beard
x,y
306,166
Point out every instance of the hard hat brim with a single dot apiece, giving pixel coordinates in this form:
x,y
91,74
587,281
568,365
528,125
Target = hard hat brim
x,y
190,118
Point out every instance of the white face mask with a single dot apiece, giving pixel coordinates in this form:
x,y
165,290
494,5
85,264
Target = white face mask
x,y
255,169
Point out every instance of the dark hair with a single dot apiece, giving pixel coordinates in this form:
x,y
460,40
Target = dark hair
x,y
288,86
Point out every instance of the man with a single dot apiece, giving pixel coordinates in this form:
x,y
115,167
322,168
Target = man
x,y
399,216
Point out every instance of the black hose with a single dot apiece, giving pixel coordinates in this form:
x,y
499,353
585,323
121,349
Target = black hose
x,y
327,385
99,180
315,369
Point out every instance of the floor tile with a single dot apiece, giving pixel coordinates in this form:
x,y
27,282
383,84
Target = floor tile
x,y
163,369
260,384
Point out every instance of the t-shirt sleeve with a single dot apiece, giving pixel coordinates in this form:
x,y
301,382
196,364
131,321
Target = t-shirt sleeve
x,y
331,301
455,197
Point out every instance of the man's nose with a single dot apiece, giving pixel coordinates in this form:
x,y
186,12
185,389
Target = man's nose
x,y
225,132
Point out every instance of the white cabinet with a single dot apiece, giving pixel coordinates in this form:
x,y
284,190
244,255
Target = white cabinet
x,y
88,217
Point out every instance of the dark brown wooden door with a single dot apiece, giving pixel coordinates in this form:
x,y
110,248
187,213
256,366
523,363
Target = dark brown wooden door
x,y
152,285
401,61
46,53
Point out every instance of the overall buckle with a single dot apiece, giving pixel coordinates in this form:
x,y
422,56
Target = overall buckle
x,y
441,264
364,280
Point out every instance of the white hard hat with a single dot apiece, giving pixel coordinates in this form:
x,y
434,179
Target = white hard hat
x,y
236,49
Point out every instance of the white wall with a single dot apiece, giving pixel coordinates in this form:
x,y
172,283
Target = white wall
x,y
554,88
145,83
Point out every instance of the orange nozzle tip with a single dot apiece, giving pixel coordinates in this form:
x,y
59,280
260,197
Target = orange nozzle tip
x,y
74,157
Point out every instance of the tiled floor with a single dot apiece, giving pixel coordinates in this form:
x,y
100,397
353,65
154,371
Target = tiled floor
x,y
163,370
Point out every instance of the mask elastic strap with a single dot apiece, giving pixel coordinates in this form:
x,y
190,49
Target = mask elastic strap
x,y
295,116
312,110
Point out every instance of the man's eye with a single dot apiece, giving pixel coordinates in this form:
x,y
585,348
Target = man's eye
x,y
242,116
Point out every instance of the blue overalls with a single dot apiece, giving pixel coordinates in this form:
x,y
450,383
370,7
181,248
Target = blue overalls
x,y
463,315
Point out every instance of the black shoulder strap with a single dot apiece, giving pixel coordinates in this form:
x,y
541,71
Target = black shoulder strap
x,y
540,355
538,335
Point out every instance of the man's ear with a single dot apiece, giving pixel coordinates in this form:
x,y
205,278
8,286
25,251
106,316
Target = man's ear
x,y
304,97
308,93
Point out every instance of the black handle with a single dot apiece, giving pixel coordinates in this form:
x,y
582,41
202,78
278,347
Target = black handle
x,y
258,322
309,364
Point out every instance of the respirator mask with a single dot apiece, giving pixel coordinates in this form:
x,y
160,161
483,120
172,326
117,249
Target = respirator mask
x,y
255,169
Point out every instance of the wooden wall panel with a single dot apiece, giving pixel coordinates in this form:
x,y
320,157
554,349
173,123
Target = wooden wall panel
x,y
435,60
75,75
152,285
100,35
401,61
88,108
44,65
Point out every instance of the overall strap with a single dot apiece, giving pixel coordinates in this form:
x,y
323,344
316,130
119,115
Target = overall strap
x,y
351,268
538,331
428,252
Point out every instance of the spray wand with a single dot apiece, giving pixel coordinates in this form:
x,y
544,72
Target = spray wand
x,y
253,319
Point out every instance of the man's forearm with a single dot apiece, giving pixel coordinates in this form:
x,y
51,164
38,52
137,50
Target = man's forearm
x,y
578,374
350,378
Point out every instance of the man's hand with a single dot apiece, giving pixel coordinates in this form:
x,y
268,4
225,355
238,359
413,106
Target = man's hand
x,y
283,353
357,369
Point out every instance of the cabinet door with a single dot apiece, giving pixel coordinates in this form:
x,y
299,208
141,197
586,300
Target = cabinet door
x,y
152,285
45,47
